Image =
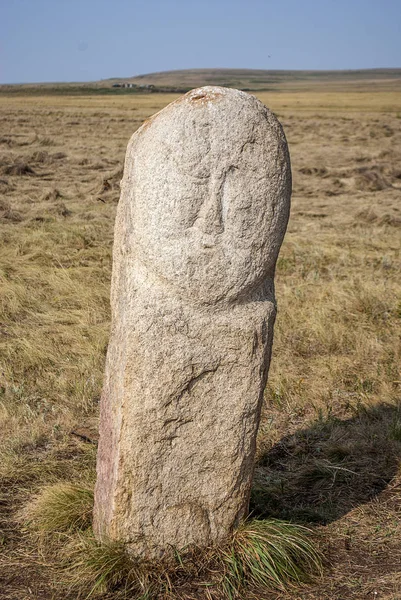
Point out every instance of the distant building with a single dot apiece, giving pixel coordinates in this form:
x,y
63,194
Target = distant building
x,y
124,85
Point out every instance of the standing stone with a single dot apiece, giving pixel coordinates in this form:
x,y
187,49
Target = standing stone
x,y
203,211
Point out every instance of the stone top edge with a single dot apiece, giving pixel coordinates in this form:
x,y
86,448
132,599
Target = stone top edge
x,y
211,93
200,97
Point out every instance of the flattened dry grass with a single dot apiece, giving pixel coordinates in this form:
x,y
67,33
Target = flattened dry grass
x,y
329,443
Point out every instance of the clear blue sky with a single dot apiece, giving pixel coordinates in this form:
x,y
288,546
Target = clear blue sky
x,y
85,40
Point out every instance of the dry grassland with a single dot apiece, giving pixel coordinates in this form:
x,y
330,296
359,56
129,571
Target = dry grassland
x,y
330,440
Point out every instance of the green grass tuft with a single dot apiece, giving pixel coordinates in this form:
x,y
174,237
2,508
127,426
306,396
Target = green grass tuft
x,y
268,554
395,430
92,569
60,507
260,556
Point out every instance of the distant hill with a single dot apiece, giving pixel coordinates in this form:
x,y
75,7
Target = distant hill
x,y
253,80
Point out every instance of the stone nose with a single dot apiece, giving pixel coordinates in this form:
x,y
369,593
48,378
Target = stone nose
x,y
209,218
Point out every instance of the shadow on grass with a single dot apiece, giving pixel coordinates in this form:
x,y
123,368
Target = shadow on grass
x,y
318,474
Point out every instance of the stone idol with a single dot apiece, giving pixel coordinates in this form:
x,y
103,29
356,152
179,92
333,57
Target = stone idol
x,y
203,211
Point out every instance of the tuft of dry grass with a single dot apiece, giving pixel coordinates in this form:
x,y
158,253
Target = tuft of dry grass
x,y
267,554
93,570
261,556
60,507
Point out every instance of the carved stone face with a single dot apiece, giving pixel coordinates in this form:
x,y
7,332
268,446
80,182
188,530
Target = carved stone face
x,y
209,183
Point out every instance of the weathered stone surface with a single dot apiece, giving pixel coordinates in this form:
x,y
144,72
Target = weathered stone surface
x,y
203,211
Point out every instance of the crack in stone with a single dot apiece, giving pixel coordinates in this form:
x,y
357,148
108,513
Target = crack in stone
x,y
194,380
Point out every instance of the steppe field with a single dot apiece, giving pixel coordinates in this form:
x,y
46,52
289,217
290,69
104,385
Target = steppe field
x,y
329,446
